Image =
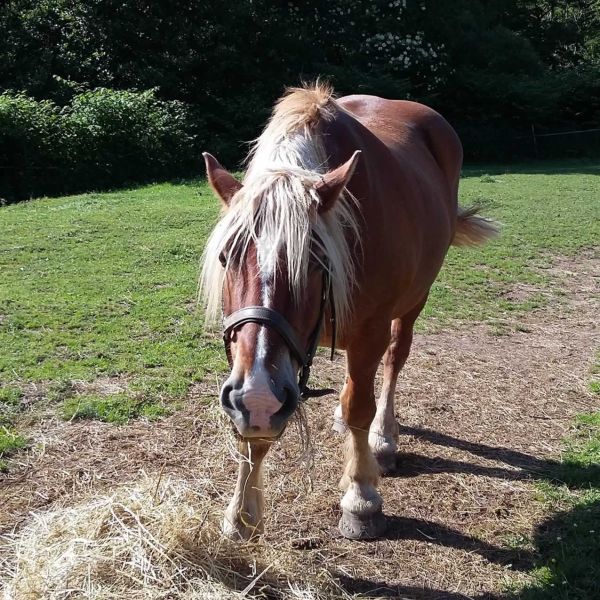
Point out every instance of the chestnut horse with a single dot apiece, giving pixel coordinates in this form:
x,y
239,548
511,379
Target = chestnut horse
x,y
347,210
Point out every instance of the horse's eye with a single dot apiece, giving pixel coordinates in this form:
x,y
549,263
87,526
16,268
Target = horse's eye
x,y
222,259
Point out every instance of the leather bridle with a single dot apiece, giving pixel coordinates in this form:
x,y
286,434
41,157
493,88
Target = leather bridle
x,y
268,317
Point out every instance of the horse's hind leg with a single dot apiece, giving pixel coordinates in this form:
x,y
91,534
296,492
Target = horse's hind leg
x,y
362,517
244,515
383,434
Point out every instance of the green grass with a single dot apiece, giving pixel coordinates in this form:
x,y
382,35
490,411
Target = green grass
x,y
104,285
582,451
594,383
10,399
542,214
115,408
568,543
10,441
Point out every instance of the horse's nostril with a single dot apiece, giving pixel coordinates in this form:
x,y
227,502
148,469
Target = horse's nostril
x,y
289,396
226,400
289,402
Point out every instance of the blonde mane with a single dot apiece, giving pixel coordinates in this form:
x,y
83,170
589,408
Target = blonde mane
x,y
277,206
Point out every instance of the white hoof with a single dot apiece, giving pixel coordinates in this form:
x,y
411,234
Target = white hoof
x,y
339,426
385,451
239,531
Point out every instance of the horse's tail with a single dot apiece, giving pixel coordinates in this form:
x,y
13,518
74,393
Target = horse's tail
x,y
472,229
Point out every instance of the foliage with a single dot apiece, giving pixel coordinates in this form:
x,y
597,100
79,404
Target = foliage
x,y
119,133
493,67
31,136
102,138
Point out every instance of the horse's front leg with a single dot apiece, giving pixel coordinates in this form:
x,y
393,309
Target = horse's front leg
x,y
362,517
244,515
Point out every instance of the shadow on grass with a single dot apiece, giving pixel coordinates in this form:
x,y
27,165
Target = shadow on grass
x,y
569,556
522,466
372,589
403,528
566,560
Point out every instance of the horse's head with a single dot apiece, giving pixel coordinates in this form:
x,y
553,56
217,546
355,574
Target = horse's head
x,y
274,260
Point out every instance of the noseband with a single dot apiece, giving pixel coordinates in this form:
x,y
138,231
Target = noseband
x,y
274,320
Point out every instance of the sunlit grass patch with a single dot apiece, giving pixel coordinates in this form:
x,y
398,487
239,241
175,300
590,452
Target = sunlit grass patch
x,y
582,452
116,408
541,213
568,543
10,441
10,395
105,285
10,399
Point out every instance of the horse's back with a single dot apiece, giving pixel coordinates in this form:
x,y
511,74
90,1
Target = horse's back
x,y
402,124
411,167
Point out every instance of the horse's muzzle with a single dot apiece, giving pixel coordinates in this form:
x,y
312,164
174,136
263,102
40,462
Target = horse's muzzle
x,y
258,411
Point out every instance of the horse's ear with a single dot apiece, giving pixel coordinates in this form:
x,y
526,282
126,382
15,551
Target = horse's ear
x,y
333,183
224,184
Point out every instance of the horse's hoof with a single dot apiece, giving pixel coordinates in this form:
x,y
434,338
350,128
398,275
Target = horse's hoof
x,y
388,462
362,527
339,426
239,532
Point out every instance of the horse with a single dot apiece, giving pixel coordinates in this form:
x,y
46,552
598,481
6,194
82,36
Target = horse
x,y
334,237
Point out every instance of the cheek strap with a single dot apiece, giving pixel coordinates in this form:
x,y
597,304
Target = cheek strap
x,y
268,317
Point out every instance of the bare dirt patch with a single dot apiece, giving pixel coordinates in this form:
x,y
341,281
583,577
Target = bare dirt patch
x,y
482,417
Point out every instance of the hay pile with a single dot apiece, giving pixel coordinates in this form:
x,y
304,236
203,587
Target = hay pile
x,y
155,539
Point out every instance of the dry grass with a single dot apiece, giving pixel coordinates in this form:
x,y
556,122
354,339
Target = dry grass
x,y
481,418
156,539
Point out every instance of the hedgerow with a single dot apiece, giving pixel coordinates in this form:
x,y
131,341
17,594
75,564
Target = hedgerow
x,y
101,138
497,70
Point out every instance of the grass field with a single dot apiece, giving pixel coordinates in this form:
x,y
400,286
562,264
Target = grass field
x,y
98,317
104,285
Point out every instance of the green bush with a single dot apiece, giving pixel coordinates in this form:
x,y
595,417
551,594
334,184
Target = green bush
x,y
102,138
120,136
493,69
31,146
